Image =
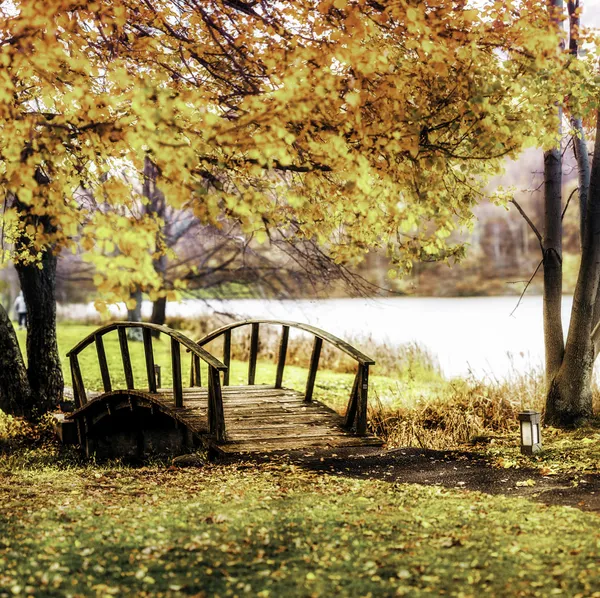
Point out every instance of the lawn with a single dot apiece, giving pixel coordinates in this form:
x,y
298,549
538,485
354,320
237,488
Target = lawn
x,y
278,530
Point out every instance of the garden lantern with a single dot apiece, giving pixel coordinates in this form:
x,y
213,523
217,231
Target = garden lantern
x,y
531,439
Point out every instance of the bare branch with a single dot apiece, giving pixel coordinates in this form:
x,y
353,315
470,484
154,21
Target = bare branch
x,y
526,287
568,201
532,226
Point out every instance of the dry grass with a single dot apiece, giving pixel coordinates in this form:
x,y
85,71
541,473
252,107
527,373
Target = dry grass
x,y
468,411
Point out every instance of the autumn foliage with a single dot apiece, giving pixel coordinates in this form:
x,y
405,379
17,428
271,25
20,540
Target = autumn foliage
x,y
358,124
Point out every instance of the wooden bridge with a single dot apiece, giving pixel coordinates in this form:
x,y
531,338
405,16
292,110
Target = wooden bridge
x,y
225,419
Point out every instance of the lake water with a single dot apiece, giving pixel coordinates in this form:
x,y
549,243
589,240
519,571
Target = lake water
x,y
475,335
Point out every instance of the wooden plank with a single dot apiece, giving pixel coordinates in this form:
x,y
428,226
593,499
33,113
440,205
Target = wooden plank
x,y
126,358
324,432
353,401
312,372
226,356
283,344
104,373
253,354
176,371
292,444
78,387
363,392
149,355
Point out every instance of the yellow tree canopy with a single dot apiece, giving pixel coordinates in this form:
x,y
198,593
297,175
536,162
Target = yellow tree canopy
x,y
355,123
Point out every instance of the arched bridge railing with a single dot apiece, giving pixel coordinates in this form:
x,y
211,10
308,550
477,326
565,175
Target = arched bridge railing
x,y
216,421
356,413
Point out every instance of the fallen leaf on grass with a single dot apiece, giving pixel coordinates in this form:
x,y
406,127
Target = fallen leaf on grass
x,y
523,483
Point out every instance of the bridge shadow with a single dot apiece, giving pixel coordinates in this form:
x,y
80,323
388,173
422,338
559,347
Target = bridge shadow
x,y
457,470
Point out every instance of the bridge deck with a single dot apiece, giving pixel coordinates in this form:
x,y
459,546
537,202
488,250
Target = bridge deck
x,y
261,418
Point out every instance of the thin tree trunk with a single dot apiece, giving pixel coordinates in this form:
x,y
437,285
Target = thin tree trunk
x,y
583,167
159,307
552,242
579,145
570,396
15,393
135,315
43,362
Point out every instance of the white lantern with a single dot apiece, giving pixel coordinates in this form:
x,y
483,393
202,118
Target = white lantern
x,y
531,438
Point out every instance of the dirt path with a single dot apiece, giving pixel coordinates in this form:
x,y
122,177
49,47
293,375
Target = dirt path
x,y
453,469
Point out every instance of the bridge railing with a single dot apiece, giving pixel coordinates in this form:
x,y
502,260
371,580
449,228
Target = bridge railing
x,y
216,420
356,412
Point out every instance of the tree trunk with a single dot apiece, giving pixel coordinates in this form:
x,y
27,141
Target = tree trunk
x,y
159,307
570,395
583,167
159,311
135,315
15,393
43,362
552,242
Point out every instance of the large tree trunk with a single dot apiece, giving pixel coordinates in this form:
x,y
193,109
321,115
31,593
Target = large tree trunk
x,y
38,283
43,363
570,395
15,393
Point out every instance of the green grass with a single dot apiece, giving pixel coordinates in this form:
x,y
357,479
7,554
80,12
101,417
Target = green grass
x,y
331,387
276,530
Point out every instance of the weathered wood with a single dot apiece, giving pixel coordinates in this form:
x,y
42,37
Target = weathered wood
x,y
158,375
226,356
253,354
296,444
176,370
283,344
363,391
314,366
269,424
326,336
251,418
149,354
183,340
126,358
104,373
78,386
196,374
353,401
216,416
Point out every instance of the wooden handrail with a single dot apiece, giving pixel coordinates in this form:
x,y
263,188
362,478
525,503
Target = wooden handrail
x,y
181,338
342,345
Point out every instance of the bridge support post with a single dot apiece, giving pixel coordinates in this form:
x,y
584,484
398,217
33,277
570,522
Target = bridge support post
x,y
285,334
353,401
216,417
312,372
363,392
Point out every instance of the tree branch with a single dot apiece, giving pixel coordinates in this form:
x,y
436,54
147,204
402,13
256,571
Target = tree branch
x,y
532,226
